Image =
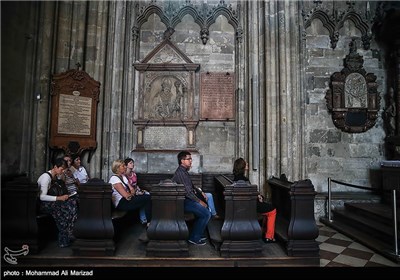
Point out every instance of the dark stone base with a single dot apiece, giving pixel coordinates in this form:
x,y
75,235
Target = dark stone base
x,y
167,248
302,248
246,248
96,248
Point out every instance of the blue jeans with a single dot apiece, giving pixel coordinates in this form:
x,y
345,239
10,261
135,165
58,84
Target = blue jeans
x,y
137,202
211,204
202,215
142,213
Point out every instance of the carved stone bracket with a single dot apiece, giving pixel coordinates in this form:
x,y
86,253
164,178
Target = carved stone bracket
x,y
353,98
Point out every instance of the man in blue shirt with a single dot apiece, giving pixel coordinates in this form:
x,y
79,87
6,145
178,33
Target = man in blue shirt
x,y
192,202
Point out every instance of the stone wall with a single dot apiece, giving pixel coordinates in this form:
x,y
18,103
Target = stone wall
x,y
330,152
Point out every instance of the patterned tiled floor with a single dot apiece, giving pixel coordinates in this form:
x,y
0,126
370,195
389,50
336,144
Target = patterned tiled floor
x,y
337,250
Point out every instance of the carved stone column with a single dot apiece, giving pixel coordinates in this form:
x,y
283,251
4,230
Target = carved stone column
x,y
167,232
241,232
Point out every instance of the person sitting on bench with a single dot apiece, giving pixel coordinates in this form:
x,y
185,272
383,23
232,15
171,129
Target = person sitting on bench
x,y
132,179
196,204
123,194
266,209
62,208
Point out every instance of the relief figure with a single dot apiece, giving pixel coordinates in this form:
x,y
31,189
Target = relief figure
x,y
166,103
355,90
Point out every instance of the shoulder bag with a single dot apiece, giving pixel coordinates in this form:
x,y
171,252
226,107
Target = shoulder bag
x,y
57,187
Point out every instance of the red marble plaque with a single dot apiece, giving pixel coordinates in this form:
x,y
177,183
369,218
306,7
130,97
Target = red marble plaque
x,y
217,96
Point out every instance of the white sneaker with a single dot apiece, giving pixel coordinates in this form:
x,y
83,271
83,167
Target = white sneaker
x,y
200,242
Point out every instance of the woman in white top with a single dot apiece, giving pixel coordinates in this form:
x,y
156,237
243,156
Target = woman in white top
x,y
124,196
63,209
80,171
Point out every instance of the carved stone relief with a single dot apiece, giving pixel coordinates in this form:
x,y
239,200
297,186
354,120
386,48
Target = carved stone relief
x,y
353,98
167,92
166,96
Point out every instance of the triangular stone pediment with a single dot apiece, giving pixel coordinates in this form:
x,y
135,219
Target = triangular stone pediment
x,y
166,53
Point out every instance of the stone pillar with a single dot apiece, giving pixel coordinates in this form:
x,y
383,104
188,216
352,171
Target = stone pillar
x,y
94,230
283,92
241,232
167,232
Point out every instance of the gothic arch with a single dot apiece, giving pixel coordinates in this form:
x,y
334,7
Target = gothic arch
x,y
204,16
334,22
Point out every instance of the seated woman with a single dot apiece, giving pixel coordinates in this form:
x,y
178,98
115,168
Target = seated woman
x,y
63,209
68,176
80,172
132,179
123,195
266,209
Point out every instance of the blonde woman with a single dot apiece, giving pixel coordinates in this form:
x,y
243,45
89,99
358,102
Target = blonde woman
x,y
124,196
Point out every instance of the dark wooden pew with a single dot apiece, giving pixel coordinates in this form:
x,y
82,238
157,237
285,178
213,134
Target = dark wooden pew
x,y
240,233
147,180
94,230
168,232
98,221
19,214
295,221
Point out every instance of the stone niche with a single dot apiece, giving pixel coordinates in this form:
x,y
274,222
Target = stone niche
x,y
167,96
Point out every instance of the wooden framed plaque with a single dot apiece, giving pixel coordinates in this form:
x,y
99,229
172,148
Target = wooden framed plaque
x,y
74,98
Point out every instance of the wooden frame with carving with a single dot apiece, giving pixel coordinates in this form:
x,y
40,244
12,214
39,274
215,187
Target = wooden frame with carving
x,y
353,98
74,98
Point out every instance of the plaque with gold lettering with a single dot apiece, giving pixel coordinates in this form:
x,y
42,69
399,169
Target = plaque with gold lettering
x,y
74,98
217,96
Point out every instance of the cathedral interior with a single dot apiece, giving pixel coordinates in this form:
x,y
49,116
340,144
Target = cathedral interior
x,y
300,89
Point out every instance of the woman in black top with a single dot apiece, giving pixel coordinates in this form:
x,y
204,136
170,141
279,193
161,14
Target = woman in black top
x,y
266,209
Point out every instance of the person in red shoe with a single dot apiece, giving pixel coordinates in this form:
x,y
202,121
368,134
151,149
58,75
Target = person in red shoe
x,y
266,209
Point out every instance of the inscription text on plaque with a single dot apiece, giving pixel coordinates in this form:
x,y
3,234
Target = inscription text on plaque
x,y
217,96
74,115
